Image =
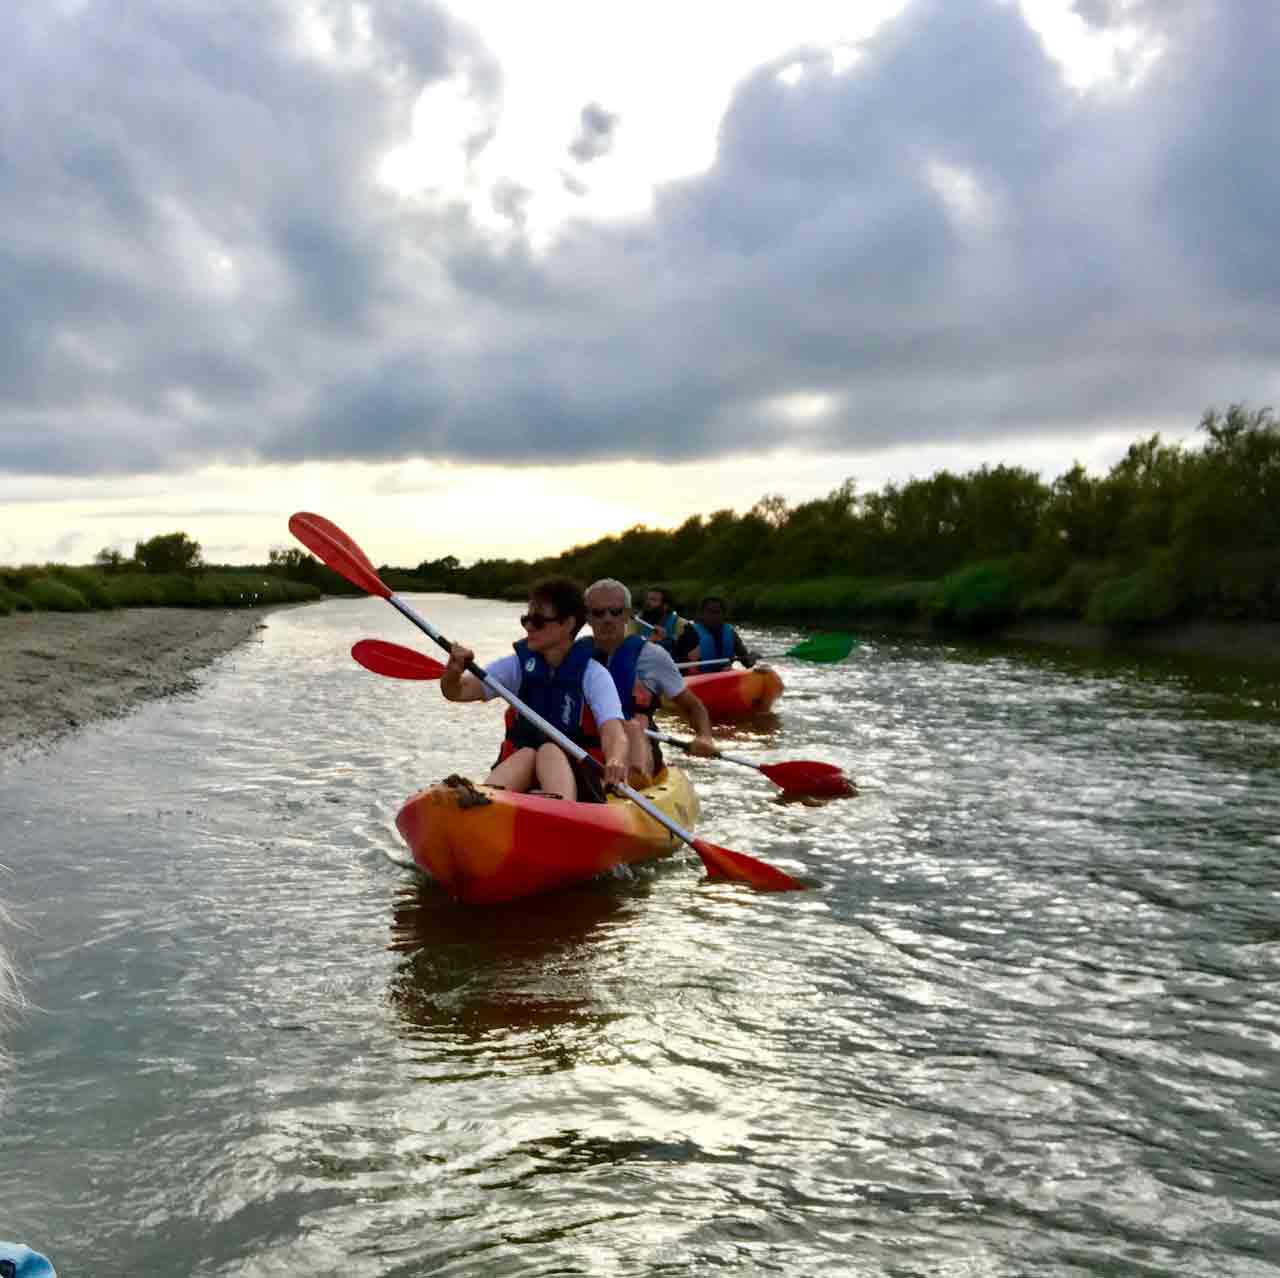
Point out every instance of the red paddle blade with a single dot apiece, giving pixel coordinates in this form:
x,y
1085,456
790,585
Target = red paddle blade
x,y
721,863
332,546
803,776
395,660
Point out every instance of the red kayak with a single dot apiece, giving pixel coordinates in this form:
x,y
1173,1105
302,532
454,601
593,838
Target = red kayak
x,y
484,845
736,694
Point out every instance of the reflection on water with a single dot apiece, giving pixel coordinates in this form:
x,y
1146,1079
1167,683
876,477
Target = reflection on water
x,y
1026,1023
521,971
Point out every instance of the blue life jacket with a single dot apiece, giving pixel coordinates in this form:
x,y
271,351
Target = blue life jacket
x,y
669,623
711,645
557,695
622,666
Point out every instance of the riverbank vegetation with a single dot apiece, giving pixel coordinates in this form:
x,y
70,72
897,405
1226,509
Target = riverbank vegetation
x,y
168,571
1170,533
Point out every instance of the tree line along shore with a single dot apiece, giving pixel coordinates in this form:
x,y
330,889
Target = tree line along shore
x,y
1171,534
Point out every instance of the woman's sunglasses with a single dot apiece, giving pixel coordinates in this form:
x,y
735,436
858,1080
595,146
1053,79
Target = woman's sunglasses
x,y
535,620
597,613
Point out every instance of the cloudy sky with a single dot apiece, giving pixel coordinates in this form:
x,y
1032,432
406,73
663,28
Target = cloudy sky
x,y
491,277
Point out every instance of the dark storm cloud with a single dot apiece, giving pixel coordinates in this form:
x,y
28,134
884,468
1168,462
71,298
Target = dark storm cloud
x,y
945,240
192,225
595,135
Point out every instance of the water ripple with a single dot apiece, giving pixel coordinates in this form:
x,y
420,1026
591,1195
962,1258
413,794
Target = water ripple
x,y
1027,1021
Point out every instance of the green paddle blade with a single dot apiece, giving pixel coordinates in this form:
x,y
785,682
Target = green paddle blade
x,y
825,648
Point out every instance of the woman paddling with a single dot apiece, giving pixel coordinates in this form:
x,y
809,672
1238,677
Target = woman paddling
x,y
551,672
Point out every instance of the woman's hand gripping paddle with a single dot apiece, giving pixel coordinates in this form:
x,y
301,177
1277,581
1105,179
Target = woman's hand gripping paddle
x,y
332,546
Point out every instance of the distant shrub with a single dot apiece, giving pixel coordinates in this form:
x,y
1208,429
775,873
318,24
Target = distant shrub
x,y
245,590
49,594
979,598
833,599
135,590
90,584
903,601
1069,595
1143,598
1241,586
168,553
14,600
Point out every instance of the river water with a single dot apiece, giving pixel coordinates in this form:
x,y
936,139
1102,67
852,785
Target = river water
x,y
1027,1021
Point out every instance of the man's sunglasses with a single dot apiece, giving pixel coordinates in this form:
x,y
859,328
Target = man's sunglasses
x,y
535,620
597,613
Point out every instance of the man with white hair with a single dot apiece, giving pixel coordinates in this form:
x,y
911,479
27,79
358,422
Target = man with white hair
x,y
643,673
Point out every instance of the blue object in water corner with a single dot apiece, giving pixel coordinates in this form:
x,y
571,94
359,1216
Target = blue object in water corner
x,y
19,1261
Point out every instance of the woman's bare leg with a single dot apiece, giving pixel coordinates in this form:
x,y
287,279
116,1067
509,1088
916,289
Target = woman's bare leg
x,y
515,772
555,776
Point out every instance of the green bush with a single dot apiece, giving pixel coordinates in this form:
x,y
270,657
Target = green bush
x,y
902,601
92,585
1240,586
51,595
13,601
1069,595
136,590
1143,598
980,598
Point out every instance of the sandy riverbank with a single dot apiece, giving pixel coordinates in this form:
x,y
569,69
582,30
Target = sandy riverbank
x,y
59,671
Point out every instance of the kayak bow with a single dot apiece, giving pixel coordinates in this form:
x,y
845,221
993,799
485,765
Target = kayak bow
x,y
485,844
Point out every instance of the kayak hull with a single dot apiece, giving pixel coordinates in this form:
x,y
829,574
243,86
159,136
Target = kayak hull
x,y
736,694
485,845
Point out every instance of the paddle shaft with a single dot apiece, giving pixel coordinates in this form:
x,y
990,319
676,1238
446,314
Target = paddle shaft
x,y
565,743
819,648
684,745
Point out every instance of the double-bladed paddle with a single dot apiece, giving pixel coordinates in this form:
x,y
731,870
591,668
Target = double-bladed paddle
x,y
395,660
799,776
334,547
825,649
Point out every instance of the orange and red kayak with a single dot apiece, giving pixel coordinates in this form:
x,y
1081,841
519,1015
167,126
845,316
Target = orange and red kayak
x,y
484,845
736,694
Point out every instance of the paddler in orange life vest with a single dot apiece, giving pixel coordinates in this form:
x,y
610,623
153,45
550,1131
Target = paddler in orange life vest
x,y
712,641
643,674
555,676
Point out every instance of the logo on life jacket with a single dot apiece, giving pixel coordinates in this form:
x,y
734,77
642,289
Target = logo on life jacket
x,y
529,665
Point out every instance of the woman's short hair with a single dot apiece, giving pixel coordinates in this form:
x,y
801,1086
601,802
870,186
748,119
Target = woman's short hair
x,y
565,597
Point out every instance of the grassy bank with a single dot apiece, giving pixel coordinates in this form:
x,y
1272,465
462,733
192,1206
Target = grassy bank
x,y
58,588
994,594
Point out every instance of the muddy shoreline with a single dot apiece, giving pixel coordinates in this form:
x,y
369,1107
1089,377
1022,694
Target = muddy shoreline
x,y
60,671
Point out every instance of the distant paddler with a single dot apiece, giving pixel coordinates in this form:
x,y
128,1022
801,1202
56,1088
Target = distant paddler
x,y
643,673
553,673
658,621
711,643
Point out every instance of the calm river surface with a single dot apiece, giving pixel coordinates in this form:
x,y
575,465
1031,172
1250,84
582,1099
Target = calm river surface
x,y
1026,1023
